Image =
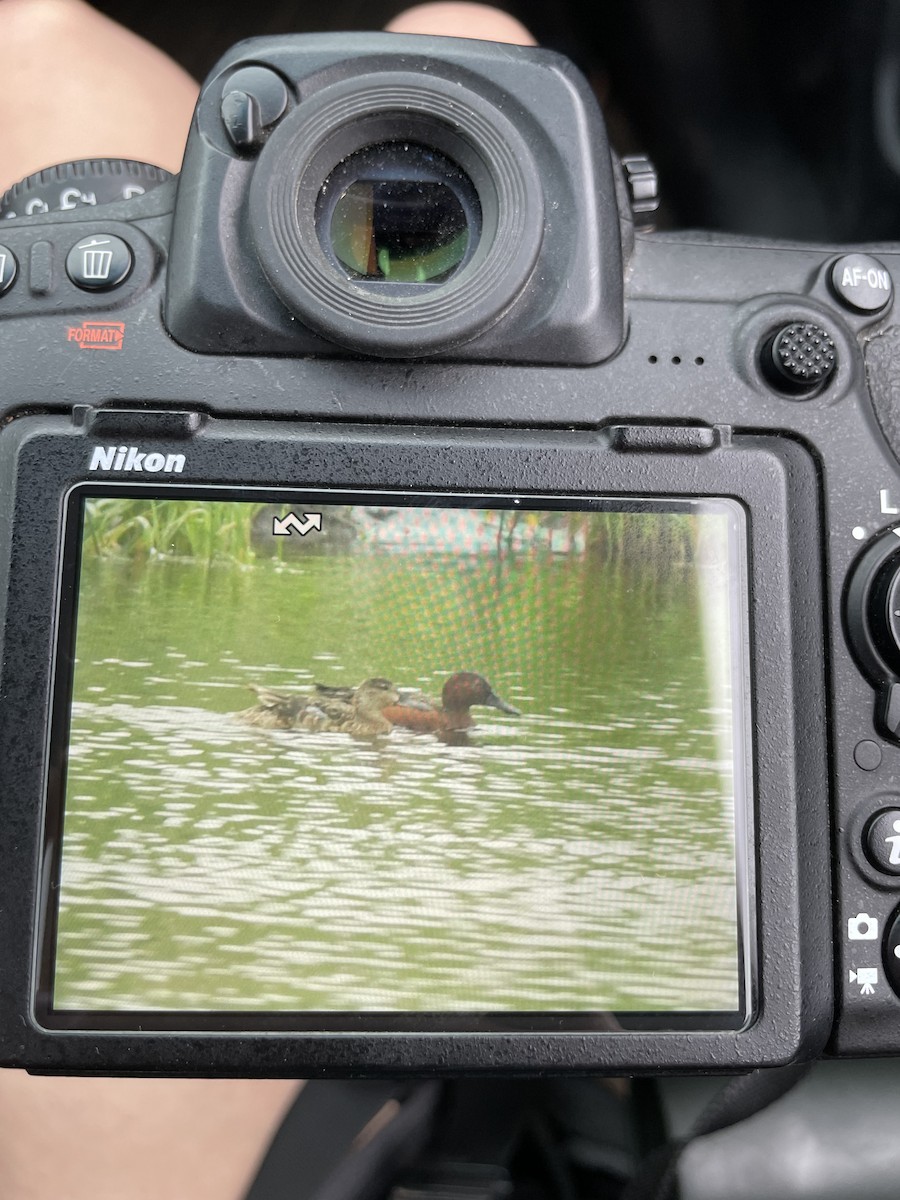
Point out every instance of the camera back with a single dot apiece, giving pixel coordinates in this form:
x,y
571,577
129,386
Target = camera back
x,y
442,626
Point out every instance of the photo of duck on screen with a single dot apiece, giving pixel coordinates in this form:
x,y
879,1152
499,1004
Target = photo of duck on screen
x,y
336,759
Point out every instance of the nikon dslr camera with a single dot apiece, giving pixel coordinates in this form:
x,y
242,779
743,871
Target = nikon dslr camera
x,y
444,628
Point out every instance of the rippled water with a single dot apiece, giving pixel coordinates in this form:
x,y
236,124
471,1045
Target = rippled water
x,y
580,856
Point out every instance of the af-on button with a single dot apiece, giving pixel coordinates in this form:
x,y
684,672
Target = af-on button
x,y
99,262
861,283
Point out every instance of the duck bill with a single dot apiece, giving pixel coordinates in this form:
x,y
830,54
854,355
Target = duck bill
x,y
494,701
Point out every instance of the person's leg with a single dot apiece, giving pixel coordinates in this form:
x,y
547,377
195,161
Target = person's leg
x,y
135,1139
77,85
452,19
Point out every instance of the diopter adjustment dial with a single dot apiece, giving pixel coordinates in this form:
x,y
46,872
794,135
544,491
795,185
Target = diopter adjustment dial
x,y
87,183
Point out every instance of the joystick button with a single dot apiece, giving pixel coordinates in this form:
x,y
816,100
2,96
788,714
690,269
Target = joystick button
x,y
9,269
99,262
882,842
862,283
799,359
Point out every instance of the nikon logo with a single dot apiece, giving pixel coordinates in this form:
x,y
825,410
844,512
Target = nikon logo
x,y
130,458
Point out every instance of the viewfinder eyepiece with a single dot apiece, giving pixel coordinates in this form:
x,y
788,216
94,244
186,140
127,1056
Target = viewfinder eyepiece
x,y
399,213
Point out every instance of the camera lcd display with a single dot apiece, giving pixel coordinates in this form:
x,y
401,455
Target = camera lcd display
x,y
363,761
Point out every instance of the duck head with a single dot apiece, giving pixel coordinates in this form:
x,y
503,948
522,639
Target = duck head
x,y
374,695
465,688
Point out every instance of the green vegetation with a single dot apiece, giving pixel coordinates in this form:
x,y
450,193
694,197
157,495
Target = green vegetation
x,y
619,537
138,528
609,537
240,532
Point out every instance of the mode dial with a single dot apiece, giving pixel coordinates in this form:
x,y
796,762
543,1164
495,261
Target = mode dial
x,y
87,183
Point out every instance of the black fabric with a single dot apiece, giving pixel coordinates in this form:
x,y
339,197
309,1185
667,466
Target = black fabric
x,y
358,1140
426,1139
321,1151
739,1099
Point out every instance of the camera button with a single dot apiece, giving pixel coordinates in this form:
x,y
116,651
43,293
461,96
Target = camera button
x,y
9,269
861,283
99,262
881,842
867,755
891,950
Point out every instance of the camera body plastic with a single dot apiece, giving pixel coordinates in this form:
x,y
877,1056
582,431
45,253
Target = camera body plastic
x,y
570,366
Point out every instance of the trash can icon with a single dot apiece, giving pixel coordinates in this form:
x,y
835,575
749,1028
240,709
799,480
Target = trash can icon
x,y
96,264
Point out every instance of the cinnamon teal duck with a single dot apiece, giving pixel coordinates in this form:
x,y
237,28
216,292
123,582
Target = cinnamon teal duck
x,y
358,711
424,714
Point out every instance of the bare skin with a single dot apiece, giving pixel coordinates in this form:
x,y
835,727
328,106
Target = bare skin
x,y
462,20
113,95
135,1139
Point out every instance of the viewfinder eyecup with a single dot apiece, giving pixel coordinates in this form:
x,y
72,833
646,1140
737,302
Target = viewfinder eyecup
x,y
396,214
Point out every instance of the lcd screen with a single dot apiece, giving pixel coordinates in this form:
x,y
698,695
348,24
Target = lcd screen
x,y
377,761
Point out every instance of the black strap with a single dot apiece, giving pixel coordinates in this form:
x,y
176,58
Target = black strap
x,y
346,1140
477,1132
365,1140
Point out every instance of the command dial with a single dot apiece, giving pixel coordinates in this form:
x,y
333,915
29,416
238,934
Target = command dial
x,y
87,183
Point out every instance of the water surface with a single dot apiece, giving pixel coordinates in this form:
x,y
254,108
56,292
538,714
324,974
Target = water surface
x,y
577,857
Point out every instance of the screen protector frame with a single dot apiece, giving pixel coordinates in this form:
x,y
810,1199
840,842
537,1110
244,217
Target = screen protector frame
x,y
403,1020
773,478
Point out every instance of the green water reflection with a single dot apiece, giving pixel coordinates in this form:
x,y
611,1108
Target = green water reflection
x,y
580,856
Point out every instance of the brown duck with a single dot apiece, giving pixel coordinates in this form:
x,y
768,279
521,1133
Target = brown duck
x,y
357,711
424,714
